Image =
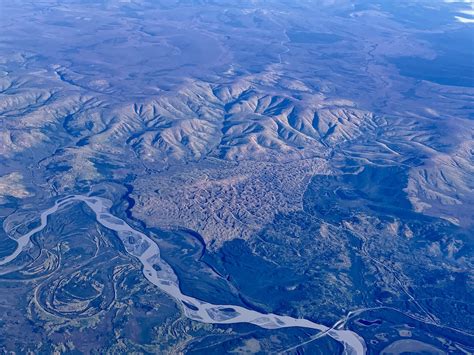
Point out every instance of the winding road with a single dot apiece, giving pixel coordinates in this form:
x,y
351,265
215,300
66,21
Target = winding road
x,y
159,273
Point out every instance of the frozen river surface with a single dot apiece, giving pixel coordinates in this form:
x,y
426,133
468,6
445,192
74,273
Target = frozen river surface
x,y
159,273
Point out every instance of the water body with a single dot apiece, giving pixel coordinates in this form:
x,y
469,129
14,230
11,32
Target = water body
x,y
312,37
454,62
159,273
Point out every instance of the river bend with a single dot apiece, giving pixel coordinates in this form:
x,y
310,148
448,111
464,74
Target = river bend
x,y
160,273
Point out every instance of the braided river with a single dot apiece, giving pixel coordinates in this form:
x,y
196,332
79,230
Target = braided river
x,y
160,274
